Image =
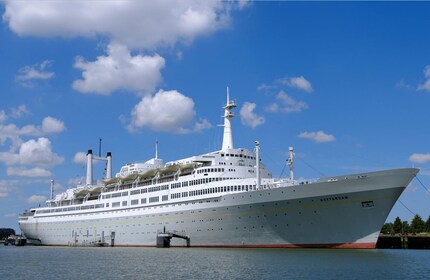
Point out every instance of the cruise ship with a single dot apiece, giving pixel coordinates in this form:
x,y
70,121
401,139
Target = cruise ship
x,y
225,198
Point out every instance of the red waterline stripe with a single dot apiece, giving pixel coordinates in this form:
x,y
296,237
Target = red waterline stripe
x,y
365,245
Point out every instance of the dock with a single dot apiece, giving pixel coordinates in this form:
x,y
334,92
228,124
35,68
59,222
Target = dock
x,y
164,237
406,241
17,240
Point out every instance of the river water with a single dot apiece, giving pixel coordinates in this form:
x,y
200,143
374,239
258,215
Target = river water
x,y
39,262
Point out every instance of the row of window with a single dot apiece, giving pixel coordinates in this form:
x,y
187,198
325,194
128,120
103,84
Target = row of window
x,y
207,170
166,187
236,155
212,190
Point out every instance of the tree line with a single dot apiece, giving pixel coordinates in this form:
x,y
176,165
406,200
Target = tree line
x,y
417,225
5,232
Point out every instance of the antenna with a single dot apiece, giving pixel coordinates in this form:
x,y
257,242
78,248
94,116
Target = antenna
x,y
290,162
52,190
100,147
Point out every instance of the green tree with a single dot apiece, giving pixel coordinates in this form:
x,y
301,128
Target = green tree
x,y
406,228
417,224
397,226
387,228
5,232
428,224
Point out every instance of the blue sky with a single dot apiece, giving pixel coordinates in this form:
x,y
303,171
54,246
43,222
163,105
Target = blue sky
x,y
346,83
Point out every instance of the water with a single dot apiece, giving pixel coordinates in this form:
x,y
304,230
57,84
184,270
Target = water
x,y
33,262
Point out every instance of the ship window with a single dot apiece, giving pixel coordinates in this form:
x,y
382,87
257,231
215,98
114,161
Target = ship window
x,y
134,202
143,201
164,197
124,203
115,204
154,199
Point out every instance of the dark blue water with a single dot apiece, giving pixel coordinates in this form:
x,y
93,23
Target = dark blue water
x,y
32,262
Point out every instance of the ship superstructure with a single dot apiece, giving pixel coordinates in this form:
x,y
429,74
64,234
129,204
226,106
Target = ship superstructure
x,y
226,198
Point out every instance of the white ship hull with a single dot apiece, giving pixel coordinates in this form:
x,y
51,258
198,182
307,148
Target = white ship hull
x,y
345,212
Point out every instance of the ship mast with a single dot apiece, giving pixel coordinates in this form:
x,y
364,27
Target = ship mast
x,y
227,141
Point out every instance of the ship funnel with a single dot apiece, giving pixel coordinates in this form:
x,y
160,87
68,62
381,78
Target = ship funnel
x,y
89,180
109,165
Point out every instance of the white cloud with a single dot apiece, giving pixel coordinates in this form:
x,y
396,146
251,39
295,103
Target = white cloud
x,y
28,172
419,158
17,113
3,116
8,215
287,104
426,85
168,111
4,190
138,24
119,71
52,125
249,117
36,199
34,72
201,125
80,158
33,152
318,136
49,125
297,82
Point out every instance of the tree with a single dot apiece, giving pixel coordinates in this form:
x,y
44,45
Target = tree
x,y
387,228
428,224
397,226
417,224
5,232
406,228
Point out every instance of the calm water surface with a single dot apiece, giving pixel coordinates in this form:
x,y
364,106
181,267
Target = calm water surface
x,y
32,262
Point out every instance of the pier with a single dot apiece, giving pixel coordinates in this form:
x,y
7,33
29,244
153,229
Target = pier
x,y
164,238
403,241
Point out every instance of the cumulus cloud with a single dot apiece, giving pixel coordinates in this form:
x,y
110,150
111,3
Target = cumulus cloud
x,y
168,111
12,132
426,85
297,82
37,199
34,72
419,158
80,158
119,70
28,172
287,104
52,125
36,152
138,24
249,117
318,136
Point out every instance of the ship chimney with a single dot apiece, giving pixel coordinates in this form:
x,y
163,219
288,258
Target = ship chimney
x,y
109,165
227,141
89,167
